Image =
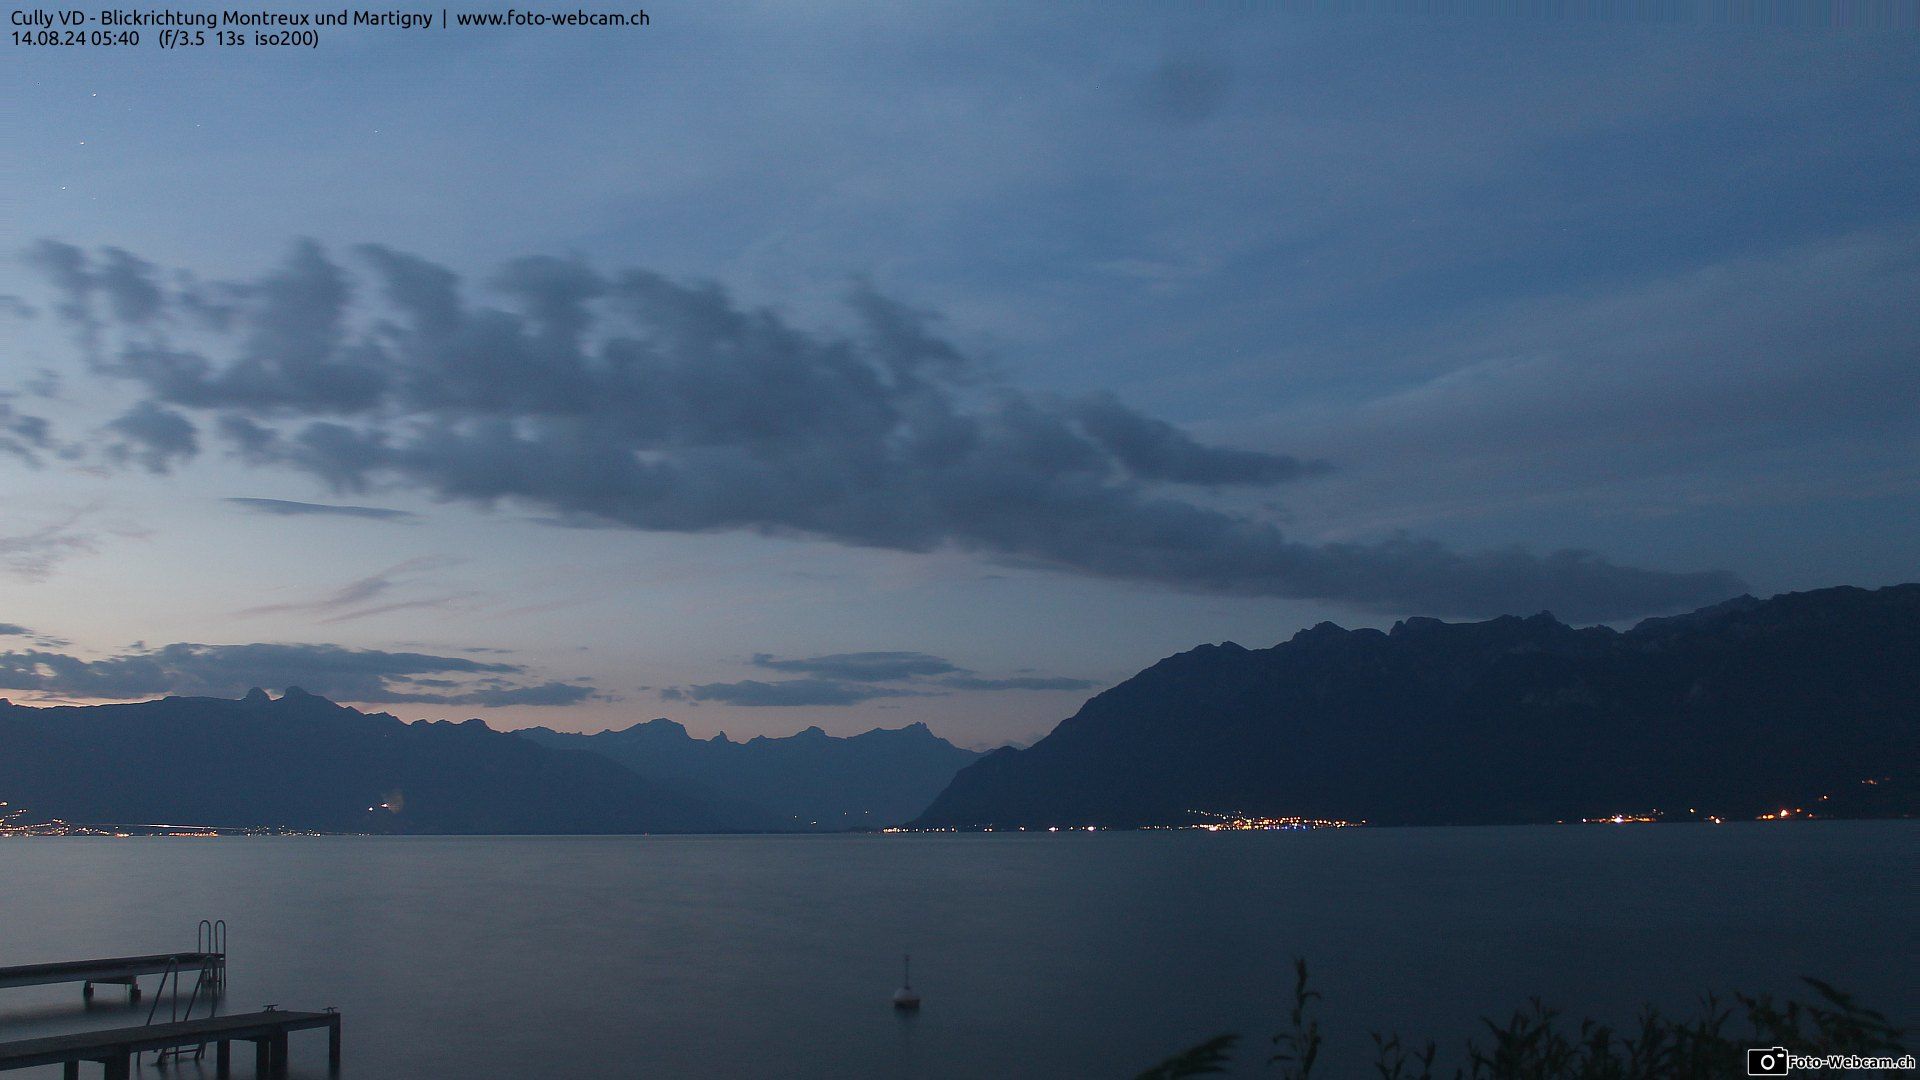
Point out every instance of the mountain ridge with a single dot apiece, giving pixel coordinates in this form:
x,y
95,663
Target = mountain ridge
x,y
302,761
1509,719
808,781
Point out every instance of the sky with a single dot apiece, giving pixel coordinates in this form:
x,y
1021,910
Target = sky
x,y
858,364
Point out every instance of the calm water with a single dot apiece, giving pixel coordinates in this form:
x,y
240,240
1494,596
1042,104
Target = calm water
x,y
1039,955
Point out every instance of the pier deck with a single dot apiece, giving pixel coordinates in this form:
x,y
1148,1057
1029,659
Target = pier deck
x,y
124,970
115,1049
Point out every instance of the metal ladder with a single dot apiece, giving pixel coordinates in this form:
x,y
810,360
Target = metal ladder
x,y
210,941
210,938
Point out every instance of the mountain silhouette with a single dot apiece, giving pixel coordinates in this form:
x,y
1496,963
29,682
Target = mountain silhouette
x,y
1734,710
301,761
808,781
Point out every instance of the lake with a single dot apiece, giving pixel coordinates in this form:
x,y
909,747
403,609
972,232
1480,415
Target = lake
x,y
1039,955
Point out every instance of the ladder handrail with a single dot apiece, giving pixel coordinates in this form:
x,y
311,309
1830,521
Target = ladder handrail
x,y
173,971
211,937
210,942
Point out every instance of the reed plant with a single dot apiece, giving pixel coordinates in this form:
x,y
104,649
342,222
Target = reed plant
x,y
1539,1043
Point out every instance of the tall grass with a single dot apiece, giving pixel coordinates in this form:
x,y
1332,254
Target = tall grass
x,y
1537,1043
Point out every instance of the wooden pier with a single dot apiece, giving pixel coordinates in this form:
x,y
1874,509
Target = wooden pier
x,y
116,1049
116,970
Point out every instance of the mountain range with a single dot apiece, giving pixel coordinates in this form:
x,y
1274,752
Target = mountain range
x,y
1807,702
806,782
303,762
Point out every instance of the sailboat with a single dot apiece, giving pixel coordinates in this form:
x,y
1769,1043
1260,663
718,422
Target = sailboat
x,y
906,998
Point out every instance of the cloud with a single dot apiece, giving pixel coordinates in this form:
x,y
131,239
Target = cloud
x,y
1809,339
359,675
789,692
828,678
632,400
154,436
38,638
1765,379
32,555
1156,450
861,666
289,508
355,599
65,266
22,435
44,383
127,283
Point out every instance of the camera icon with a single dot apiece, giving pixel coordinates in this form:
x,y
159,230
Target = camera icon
x,y
1771,1061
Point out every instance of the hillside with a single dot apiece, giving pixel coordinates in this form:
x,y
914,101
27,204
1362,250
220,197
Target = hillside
x,y
1733,710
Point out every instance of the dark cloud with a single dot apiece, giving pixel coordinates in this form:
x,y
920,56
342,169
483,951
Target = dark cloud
x,y
127,283
289,508
359,675
1156,450
65,266
22,435
861,666
121,282
252,442
828,675
47,641
154,436
789,692
632,400
16,307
